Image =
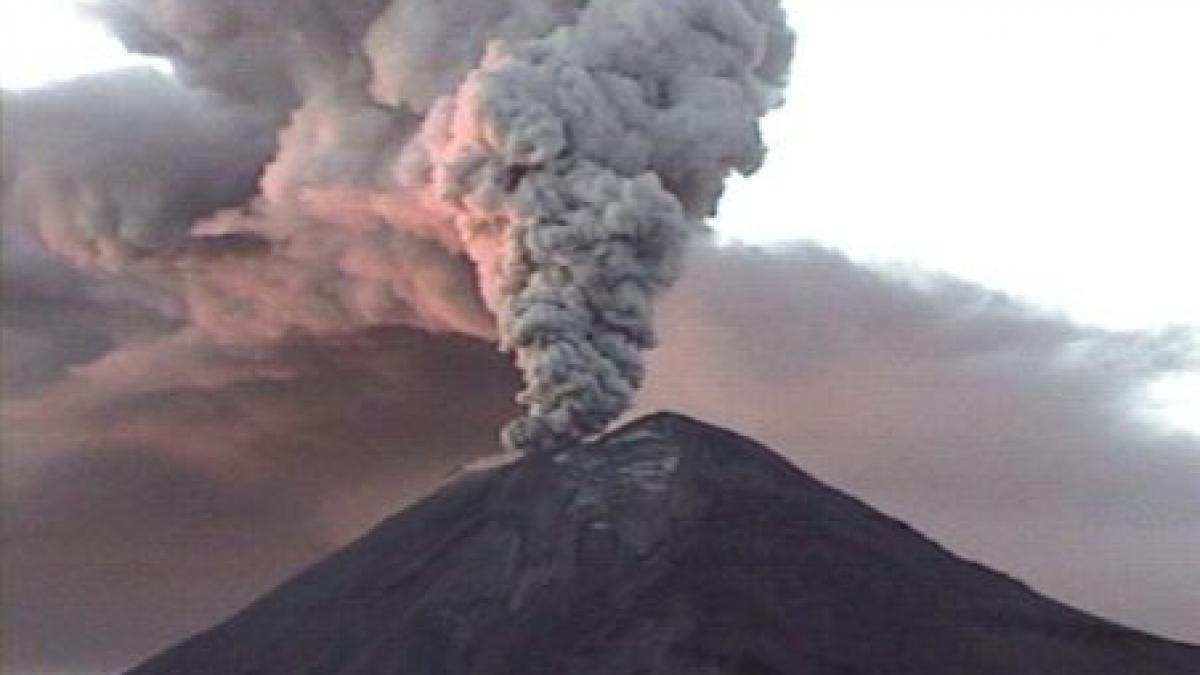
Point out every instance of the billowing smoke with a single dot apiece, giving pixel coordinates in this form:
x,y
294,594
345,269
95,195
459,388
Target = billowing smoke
x,y
574,167
521,171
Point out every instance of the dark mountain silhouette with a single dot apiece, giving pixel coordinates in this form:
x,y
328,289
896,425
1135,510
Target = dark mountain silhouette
x,y
668,547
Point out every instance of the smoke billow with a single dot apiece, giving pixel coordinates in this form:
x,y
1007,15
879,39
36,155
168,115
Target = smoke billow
x,y
574,167
522,171
115,167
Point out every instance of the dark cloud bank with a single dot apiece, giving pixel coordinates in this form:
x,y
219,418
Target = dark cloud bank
x,y
233,338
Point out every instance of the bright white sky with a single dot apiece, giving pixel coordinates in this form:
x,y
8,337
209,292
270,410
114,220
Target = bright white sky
x,y
1046,148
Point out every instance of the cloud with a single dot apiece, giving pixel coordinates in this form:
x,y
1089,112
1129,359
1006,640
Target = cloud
x,y
524,171
112,167
1007,434
132,177
155,479
153,491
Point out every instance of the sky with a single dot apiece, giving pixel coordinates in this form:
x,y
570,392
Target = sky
x,y
972,286
994,139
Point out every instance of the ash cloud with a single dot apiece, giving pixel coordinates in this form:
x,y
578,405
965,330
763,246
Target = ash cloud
x,y
132,177
573,169
1011,436
523,171
154,480
117,166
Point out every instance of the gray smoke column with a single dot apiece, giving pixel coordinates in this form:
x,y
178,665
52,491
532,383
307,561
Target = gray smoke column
x,y
574,167
525,170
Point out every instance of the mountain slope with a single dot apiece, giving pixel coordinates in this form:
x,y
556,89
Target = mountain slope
x,y
666,547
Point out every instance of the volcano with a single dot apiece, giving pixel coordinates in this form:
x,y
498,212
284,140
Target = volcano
x,y
667,547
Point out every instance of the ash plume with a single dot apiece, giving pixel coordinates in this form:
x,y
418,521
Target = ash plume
x,y
574,169
526,172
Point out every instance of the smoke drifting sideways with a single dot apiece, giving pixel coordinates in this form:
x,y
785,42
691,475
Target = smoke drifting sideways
x,y
526,172
154,480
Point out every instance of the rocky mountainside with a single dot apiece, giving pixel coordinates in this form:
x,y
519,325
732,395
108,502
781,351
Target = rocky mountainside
x,y
668,547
